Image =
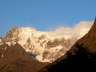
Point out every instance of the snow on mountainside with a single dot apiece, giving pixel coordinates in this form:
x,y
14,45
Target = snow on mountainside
x,y
46,46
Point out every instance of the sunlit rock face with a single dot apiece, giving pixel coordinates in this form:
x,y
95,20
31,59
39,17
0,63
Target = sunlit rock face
x,y
46,46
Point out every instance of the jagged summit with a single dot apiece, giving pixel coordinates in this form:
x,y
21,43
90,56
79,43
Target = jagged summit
x,y
45,47
80,58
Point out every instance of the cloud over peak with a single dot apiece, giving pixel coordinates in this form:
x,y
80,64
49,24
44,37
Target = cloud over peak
x,y
78,30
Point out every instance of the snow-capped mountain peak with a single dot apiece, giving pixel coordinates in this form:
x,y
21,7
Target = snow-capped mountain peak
x,y
46,46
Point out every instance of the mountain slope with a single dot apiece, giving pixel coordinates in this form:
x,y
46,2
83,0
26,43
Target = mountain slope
x,y
47,46
80,58
44,45
13,58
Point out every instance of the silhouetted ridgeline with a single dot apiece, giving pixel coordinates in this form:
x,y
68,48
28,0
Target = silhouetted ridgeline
x,y
80,58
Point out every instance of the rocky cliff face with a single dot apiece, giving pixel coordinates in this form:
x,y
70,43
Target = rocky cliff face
x,y
43,45
14,58
80,58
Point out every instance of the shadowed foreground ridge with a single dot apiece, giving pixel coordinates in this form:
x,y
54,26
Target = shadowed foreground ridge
x,y
14,59
80,58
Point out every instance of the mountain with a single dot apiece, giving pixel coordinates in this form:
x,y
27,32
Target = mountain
x,y
46,46
14,58
80,58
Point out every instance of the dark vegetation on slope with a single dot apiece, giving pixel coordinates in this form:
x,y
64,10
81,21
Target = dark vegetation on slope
x,y
80,58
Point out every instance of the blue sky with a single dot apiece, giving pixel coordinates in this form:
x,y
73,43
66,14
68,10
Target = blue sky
x,y
44,14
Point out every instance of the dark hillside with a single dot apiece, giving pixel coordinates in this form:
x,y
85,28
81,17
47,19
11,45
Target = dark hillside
x,y
14,59
80,58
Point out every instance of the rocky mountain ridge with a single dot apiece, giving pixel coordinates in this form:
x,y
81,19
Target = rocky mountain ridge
x,y
14,58
81,57
45,47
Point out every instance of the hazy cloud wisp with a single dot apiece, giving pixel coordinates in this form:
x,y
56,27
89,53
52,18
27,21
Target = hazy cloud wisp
x,y
78,30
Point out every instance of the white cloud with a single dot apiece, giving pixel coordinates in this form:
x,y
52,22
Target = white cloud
x,y
78,30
